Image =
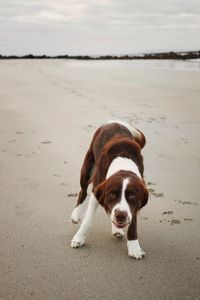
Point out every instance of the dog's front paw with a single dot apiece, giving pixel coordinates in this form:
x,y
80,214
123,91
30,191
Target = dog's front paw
x,y
117,232
77,214
77,241
134,250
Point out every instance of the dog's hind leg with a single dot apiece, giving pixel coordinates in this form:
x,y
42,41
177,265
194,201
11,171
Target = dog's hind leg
x,y
79,238
86,173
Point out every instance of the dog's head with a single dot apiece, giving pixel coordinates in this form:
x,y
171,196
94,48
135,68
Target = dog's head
x,y
122,195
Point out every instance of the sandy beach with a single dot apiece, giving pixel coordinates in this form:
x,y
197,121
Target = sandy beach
x,y
49,110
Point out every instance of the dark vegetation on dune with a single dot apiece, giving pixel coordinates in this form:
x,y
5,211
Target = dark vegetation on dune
x,y
162,55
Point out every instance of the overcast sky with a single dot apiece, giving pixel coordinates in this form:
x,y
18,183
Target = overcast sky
x,y
98,27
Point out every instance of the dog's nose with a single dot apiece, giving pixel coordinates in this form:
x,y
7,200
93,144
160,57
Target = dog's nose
x,y
121,216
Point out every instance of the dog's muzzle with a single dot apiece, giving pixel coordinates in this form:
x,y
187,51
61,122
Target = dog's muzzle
x,y
121,218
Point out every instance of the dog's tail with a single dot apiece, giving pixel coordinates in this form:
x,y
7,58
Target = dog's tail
x,y
139,136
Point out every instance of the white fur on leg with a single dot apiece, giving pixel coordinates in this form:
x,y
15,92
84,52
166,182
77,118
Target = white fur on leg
x,y
134,249
77,214
79,238
117,232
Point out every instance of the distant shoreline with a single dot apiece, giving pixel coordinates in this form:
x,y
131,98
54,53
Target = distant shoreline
x,y
184,55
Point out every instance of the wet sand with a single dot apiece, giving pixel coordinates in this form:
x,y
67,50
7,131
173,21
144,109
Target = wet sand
x,y
49,111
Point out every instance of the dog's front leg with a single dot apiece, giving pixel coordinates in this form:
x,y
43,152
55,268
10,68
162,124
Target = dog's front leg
x,y
133,245
117,232
79,238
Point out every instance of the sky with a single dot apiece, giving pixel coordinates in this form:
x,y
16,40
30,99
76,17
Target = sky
x,y
98,27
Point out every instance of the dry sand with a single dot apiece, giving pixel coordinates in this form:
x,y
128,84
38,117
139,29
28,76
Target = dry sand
x,y
48,113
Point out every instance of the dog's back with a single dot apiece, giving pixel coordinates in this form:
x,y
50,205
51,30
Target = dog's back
x,y
112,130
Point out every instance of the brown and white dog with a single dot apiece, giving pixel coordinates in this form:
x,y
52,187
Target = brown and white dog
x,y
114,166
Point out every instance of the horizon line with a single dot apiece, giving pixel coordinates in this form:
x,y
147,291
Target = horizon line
x,y
150,55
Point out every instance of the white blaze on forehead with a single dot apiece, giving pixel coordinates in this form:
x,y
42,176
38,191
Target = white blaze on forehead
x,y
123,204
124,186
122,164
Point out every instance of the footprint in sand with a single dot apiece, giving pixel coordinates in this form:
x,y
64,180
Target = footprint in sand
x,y
157,195
186,202
72,195
168,212
150,183
46,142
175,221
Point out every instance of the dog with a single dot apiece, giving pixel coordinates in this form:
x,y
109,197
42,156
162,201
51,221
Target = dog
x,y
114,166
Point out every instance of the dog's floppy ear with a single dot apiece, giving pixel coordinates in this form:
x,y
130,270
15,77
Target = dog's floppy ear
x,y
144,198
99,192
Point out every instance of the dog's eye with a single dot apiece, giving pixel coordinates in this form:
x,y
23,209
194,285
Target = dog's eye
x,y
131,196
112,196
